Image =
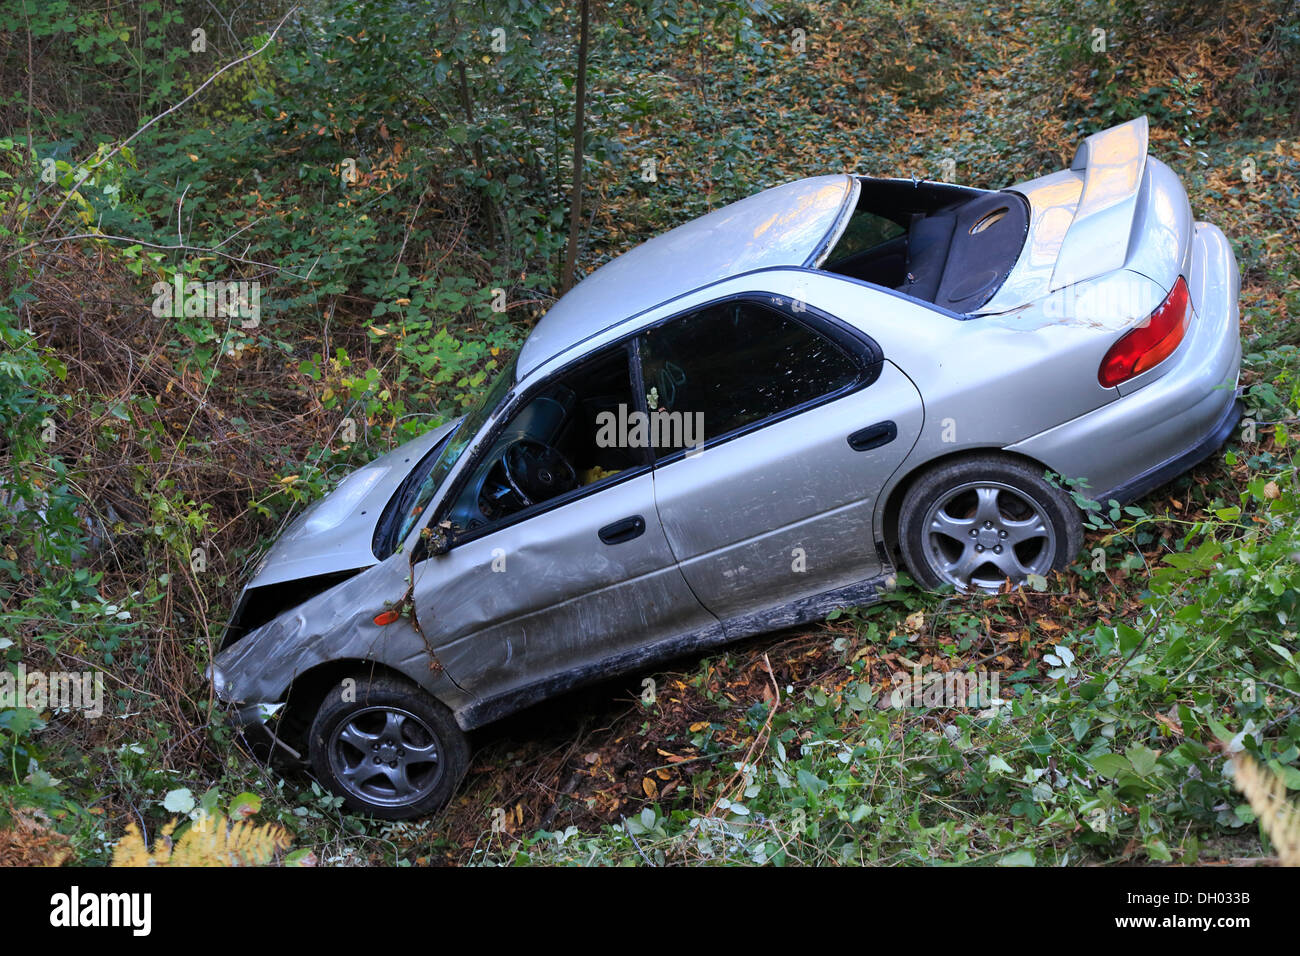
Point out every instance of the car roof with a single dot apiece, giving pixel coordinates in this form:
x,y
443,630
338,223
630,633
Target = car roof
x,y
781,226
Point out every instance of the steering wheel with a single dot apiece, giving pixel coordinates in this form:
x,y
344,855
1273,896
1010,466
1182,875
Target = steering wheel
x,y
536,471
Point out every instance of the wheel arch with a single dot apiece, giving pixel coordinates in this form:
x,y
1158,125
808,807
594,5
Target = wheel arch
x,y
894,500
306,691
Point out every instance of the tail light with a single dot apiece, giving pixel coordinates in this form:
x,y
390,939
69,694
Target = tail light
x,y
1150,343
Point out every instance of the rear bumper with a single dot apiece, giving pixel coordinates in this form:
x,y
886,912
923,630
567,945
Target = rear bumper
x,y
1143,439
1167,471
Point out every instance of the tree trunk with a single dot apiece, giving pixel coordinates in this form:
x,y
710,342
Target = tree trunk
x,y
579,132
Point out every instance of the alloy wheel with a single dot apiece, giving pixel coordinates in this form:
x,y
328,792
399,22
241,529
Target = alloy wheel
x,y
982,532
385,755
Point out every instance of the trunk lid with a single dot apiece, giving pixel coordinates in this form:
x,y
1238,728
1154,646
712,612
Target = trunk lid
x,y
1114,208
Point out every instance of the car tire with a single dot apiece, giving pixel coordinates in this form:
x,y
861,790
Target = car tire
x,y
388,748
976,521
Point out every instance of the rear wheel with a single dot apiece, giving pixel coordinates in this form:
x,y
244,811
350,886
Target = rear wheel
x,y
389,749
976,522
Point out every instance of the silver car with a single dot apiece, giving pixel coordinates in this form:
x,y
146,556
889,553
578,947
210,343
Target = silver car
x,y
738,426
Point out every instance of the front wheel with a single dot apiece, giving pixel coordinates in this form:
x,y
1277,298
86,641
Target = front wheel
x,y
387,748
977,522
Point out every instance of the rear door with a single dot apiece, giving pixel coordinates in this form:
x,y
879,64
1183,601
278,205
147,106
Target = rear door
x,y
802,422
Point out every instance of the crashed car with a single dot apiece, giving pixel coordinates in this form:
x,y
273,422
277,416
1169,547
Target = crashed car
x,y
738,426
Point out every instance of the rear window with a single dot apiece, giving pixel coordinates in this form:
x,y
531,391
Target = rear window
x,y
865,230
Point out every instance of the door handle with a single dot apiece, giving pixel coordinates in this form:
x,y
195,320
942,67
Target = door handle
x,y
873,436
624,530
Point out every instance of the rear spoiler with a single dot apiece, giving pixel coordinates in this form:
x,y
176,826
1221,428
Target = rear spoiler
x,y
1112,163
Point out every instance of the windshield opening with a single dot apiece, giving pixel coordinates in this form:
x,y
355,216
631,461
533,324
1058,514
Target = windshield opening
x,y
453,448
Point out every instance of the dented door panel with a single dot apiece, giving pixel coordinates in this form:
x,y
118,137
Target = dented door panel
x,y
545,595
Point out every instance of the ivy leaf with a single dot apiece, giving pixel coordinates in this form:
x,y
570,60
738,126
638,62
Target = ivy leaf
x,y
1142,758
244,806
811,783
178,801
1111,765
1019,858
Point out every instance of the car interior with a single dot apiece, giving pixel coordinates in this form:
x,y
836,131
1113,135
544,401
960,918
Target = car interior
x,y
548,447
947,245
737,362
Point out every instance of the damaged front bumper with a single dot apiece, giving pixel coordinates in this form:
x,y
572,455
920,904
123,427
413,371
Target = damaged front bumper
x,y
257,725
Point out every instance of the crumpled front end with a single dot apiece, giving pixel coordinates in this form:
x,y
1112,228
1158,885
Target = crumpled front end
x,y
327,637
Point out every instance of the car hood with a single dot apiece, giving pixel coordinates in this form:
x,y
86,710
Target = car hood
x,y
335,532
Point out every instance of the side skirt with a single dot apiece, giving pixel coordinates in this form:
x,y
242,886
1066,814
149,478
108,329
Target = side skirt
x,y
490,709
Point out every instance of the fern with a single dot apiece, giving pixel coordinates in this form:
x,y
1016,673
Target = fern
x,y
210,841
1278,817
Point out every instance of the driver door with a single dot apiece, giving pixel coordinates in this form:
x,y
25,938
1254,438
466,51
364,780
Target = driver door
x,y
559,568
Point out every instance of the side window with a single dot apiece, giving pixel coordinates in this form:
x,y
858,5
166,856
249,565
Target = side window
x,y
736,363
553,444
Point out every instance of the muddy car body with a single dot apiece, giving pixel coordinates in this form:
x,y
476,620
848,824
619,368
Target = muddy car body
x,y
798,394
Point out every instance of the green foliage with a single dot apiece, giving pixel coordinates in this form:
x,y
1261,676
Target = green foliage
x,y
1116,46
